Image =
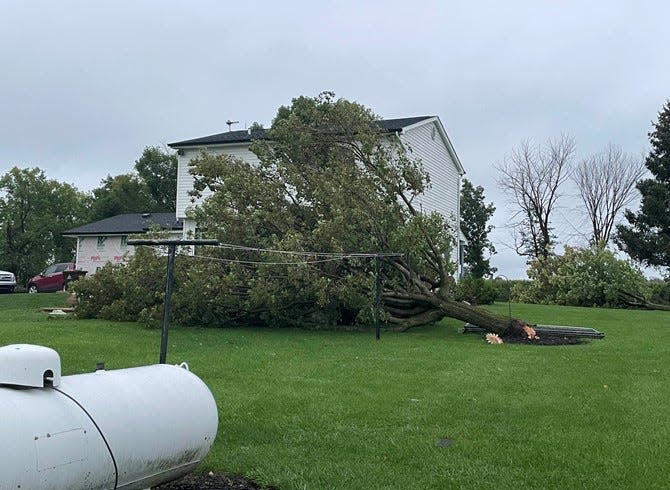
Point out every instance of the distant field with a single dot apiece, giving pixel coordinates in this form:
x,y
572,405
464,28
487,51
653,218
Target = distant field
x,y
322,410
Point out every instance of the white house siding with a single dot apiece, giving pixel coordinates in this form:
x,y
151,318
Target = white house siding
x,y
185,179
443,196
95,251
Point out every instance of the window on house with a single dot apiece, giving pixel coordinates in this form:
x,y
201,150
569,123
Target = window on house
x,y
124,241
101,241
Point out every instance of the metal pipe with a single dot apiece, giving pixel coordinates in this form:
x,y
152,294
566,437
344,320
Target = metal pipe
x,y
378,295
169,282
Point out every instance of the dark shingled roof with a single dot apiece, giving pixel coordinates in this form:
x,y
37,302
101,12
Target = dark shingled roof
x,y
245,136
393,125
128,223
242,136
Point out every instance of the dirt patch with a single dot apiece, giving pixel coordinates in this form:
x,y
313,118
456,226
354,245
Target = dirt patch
x,y
545,340
213,482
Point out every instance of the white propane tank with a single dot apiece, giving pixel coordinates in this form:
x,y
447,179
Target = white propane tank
x,y
121,429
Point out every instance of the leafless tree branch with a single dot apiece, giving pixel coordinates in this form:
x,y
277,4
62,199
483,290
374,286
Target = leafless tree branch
x,y
531,176
606,184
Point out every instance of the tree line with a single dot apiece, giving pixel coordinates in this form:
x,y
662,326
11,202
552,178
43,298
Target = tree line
x,y
35,210
331,182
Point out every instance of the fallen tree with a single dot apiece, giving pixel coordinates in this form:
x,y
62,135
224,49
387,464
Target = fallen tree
x,y
330,182
638,301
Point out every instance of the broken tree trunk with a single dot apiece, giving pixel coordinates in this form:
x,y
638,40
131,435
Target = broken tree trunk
x,y
426,300
409,310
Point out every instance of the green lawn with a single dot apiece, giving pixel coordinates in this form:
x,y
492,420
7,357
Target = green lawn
x,y
321,410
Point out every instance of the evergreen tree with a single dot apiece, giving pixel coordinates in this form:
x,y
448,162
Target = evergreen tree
x,y
647,239
475,215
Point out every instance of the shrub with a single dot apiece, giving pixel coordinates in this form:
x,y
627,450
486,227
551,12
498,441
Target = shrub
x,y
219,293
126,292
581,277
594,277
519,291
659,291
476,291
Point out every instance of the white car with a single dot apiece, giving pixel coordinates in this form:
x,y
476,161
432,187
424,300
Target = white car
x,y
7,282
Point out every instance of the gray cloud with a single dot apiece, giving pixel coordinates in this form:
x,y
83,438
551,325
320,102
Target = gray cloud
x,y
86,85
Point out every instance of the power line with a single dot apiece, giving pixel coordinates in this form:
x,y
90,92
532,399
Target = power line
x,y
252,262
231,246
244,248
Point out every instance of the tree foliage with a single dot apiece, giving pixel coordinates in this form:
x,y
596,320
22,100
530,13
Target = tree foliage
x,y
157,168
475,214
646,238
34,211
121,194
126,293
590,276
330,181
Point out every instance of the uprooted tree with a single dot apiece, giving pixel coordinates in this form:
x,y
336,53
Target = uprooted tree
x,y
330,180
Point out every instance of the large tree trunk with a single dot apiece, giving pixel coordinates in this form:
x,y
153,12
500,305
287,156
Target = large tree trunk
x,y
409,310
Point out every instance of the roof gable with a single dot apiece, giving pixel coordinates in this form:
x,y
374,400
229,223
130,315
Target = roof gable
x,y
443,134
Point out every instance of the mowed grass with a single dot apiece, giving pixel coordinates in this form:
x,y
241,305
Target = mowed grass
x,y
325,410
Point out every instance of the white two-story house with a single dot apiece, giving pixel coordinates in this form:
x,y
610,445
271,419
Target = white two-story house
x,y
425,135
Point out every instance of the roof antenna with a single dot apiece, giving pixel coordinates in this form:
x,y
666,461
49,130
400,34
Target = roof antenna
x,y
230,124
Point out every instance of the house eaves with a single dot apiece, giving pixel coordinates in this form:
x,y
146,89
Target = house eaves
x,y
247,136
126,224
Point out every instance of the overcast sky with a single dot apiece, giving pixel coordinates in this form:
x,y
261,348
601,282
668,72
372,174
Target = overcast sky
x,y
86,85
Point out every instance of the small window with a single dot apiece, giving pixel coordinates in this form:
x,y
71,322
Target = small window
x,y
101,241
124,241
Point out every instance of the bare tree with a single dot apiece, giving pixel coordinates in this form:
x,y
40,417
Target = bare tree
x,y
606,184
531,176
